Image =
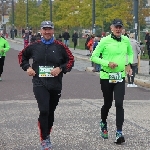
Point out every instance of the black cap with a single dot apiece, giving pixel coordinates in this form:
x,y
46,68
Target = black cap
x,y
117,22
47,24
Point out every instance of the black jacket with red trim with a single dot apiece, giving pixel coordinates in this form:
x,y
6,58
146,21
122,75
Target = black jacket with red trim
x,y
55,54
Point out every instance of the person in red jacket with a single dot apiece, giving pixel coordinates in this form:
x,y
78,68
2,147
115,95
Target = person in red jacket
x,y
90,44
51,59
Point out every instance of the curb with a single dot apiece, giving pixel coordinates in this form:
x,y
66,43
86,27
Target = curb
x,y
140,82
15,41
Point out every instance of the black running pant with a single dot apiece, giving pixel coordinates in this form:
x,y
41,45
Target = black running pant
x,y
118,90
75,44
47,101
2,59
131,78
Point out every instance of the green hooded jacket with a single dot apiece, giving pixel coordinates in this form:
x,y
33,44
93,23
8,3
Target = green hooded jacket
x,y
4,45
112,51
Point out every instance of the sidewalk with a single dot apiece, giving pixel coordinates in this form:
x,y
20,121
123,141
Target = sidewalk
x,y
142,79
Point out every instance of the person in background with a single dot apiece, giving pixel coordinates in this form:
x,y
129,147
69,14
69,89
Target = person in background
x,y
38,36
15,32
147,41
90,44
66,37
74,39
125,33
136,51
4,47
33,37
86,42
97,67
26,38
51,59
114,49
60,37
30,33
23,32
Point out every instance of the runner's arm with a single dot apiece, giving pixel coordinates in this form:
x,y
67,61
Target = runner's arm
x,y
24,57
96,53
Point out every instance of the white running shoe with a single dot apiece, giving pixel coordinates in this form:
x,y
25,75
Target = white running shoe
x,y
134,85
129,85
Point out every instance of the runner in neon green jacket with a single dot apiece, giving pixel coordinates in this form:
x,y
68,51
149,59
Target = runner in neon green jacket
x,y
4,46
115,52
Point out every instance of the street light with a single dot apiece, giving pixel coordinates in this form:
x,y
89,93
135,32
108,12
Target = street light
x,y
93,16
51,9
136,18
27,14
12,20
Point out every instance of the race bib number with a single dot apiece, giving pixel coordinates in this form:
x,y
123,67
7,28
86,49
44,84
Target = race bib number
x,y
115,77
45,71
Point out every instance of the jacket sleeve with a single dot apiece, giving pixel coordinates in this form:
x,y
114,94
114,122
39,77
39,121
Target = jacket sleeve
x,y
24,57
129,53
7,46
96,54
68,59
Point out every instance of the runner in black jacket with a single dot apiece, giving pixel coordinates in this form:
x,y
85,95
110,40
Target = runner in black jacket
x,y
51,58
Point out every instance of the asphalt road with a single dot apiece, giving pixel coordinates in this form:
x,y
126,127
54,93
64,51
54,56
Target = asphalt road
x,y
77,116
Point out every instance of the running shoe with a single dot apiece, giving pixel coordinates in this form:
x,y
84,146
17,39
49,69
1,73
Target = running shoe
x,y
46,144
119,138
104,132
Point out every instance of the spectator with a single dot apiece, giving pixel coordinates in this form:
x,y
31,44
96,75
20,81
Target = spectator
x,y
86,42
38,36
66,37
33,37
26,38
147,41
59,38
15,32
136,51
30,33
125,33
97,67
23,32
90,44
74,38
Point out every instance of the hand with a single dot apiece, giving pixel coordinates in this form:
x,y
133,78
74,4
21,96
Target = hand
x,y
2,51
30,72
112,65
55,71
128,70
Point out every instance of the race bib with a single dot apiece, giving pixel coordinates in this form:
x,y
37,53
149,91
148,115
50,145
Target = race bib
x,y
45,71
115,77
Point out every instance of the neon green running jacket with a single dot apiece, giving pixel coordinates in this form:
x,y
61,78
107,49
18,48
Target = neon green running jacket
x,y
112,51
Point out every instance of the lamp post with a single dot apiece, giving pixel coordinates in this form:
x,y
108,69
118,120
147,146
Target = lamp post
x,y
12,32
50,10
3,11
93,16
27,15
51,13
135,11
